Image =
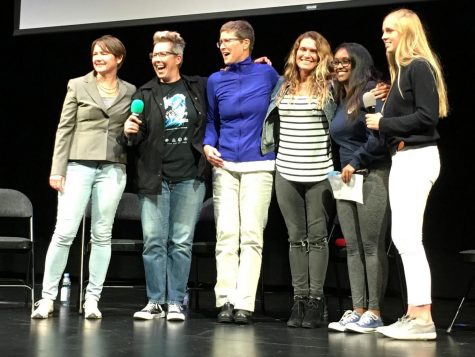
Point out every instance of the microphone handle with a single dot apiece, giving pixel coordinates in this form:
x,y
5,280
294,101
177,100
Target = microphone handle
x,y
372,110
129,139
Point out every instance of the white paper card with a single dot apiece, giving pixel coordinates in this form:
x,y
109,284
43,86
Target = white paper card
x,y
352,191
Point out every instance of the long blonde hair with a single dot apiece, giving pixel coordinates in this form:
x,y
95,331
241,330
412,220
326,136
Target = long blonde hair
x,y
413,44
320,84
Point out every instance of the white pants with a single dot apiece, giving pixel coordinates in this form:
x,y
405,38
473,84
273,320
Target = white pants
x,y
241,203
413,173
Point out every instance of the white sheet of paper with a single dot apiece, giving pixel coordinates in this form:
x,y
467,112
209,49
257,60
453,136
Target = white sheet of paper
x,y
352,191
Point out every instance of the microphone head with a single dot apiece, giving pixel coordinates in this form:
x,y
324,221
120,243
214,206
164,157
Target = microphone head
x,y
137,106
369,100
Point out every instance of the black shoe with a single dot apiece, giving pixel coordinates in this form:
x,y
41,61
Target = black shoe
x,y
297,314
313,313
243,317
226,313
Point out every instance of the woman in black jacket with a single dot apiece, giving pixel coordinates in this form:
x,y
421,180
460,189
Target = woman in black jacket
x,y
415,103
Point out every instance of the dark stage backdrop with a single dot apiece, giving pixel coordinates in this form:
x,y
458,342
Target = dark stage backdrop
x,y
35,70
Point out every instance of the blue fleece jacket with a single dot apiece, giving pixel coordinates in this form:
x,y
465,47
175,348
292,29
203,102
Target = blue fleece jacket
x,y
238,98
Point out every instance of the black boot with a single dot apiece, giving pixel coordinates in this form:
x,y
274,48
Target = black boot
x,y
297,314
226,313
313,312
325,311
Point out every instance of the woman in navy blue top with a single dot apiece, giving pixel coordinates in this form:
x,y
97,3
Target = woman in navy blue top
x,y
364,226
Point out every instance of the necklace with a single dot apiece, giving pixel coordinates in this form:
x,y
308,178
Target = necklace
x,y
108,91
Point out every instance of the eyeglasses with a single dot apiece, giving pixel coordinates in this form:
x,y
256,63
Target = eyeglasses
x,y
163,54
345,62
226,41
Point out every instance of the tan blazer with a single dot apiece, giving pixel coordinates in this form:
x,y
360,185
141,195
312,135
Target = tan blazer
x,y
87,129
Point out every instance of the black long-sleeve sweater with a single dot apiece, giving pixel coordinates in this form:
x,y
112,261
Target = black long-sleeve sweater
x,y
411,112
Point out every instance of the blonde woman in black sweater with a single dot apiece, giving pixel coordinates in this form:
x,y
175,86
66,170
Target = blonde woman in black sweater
x,y
416,101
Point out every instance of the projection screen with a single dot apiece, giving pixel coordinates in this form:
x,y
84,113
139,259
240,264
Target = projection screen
x,y
39,16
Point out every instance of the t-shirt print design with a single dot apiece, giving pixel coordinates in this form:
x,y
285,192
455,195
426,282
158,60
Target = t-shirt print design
x,y
176,113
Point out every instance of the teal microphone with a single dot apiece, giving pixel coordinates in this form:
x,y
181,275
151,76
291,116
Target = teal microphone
x,y
136,108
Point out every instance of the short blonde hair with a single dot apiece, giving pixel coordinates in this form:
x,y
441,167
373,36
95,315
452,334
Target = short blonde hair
x,y
178,43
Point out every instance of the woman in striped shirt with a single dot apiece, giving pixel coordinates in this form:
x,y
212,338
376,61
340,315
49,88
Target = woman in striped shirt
x,y
297,128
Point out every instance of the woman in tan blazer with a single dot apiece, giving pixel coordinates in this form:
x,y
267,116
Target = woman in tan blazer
x,y
88,163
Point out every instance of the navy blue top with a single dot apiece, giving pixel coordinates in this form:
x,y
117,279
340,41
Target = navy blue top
x,y
238,98
359,146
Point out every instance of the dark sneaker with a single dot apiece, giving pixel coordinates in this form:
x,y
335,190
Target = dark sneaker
x,y
151,311
297,314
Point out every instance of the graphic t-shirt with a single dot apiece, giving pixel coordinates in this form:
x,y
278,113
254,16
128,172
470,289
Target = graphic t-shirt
x,y
179,160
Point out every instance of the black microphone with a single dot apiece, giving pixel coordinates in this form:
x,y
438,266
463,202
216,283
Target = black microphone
x,y
136,108
369,102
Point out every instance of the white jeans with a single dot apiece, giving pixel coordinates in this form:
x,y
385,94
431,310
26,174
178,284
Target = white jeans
x,y
241,203
413,173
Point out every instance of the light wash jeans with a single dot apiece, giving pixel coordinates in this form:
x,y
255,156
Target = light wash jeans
x,y
104,183
413,173
241,204
168,224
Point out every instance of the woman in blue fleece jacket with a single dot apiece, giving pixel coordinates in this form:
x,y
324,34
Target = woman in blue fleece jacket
x,y
238,98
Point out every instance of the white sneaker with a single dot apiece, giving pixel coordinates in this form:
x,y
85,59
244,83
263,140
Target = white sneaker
x,y
153,310
347,318
44,309
90,310
410,328
175,313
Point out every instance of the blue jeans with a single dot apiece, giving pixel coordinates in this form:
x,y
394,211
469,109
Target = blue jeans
x,y
104,183
168,224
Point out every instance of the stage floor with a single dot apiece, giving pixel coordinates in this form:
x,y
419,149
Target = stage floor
x,y
67,334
